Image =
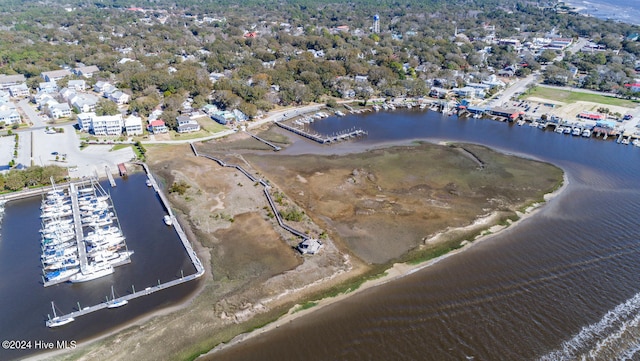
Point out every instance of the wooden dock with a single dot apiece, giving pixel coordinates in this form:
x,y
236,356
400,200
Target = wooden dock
x,y
77,224
344,135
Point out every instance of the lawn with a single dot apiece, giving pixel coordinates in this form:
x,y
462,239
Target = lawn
x,y
568,97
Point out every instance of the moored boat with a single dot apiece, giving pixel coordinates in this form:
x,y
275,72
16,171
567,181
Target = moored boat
x,y
167,220
57,321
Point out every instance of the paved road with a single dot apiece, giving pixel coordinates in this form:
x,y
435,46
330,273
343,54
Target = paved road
x,y
32,116
272,117
518,86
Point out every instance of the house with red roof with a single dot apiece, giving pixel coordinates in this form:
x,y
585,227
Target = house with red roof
x,y
158,126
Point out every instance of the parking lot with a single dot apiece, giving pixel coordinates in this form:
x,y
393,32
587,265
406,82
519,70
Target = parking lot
x,y
63,149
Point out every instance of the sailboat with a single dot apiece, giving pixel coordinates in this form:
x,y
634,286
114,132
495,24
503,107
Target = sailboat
x,y
57,321
113,303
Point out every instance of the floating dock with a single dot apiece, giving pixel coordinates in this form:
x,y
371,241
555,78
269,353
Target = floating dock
x,y
110,176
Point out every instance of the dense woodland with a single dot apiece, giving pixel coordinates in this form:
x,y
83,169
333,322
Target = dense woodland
x,y
177,44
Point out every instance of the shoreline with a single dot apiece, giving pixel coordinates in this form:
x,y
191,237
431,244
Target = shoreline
x,y
399,270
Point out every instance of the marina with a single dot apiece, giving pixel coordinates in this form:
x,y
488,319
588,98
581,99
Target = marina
x,y
67,253
96,271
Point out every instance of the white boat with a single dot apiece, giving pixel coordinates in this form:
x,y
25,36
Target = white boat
x,y
61,274
625,141
586,133
93,272
57,321
167,220
559,129
148,182
576,131
567,130
115,303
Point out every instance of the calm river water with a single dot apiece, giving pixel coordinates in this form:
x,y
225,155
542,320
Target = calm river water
x,y
562,285
25,303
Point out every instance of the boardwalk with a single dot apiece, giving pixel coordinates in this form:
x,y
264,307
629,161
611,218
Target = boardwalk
x,y
149,290
275,147
222,163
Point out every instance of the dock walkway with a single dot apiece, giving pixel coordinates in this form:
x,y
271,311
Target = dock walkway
x,y
110,176
266,186
344,135
275,147
77,224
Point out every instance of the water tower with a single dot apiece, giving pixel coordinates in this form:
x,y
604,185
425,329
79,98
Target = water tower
x,y
376,23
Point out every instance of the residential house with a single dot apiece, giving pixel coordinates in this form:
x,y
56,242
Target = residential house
x,y
20,90
10,80
100,125
4,96
77,85
133,125
48,87
119,97
187,125
223,117
86,71
84,103
55,75
101,86
67,93
440,93
9,114
84,121
57,111
158,127
209,109
107,125
469,92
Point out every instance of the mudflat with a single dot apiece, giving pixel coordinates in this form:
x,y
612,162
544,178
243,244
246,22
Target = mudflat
x,y
370,209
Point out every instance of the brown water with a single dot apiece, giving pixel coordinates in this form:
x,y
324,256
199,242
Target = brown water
x,y
561,285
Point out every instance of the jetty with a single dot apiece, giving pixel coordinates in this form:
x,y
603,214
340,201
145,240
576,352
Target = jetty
x,y
151,289
344,135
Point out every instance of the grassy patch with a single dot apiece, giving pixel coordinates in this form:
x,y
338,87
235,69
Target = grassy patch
x,y
211,126
120,146
567,96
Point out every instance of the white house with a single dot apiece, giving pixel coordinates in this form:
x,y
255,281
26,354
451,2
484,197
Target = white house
x,y
48,87
84,103
77,85
100,125
4,96
158,126
10,116
187,125
100,86
119,97
20,90
57,111
133,125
